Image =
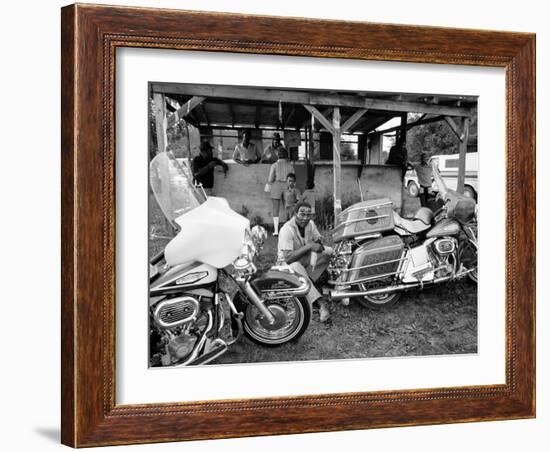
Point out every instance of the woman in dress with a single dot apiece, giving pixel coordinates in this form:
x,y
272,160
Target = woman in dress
x,y
277,182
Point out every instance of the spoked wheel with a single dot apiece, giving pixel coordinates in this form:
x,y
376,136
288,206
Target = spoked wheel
x,y
467,258
292,317
379,301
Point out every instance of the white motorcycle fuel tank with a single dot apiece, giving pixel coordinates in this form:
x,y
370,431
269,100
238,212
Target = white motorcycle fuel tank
x,y
211,234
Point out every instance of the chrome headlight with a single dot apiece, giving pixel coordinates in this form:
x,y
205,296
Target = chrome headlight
x,y
244,261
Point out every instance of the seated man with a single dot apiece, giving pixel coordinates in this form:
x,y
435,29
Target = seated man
x,y
246,152
300,247
203,167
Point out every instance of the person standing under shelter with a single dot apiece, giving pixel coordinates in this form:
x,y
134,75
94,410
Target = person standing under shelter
x,y
300,247
246,152
271,152
291,195
276,183
398,157
424,175
203,167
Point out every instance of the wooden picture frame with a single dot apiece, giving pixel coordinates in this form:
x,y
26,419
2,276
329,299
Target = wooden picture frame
x,y
90,36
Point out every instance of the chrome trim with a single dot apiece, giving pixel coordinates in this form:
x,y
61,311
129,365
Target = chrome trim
x,y
172,301
232,306
294,291
437,242
372,265
185,270
372,278
223,346
373,207
238,318
374,235
221,313
257,301
340,294
357,220
200,343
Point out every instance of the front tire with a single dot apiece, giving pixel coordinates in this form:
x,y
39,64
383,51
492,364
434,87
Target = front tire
x,y
292,317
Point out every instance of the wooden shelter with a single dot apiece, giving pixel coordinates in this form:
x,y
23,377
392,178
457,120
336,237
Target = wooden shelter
x,y
335,112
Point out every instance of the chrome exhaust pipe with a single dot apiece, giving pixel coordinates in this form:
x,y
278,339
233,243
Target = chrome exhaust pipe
x,y
341,294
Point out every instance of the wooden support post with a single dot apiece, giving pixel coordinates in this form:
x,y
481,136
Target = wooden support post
x,y
188,145
336,163
402,139
307,136
160,121
312,140
375,151
462,154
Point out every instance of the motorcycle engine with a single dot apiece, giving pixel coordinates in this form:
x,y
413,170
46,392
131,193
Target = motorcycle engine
x,y
176,326
442,253
178,348
340,260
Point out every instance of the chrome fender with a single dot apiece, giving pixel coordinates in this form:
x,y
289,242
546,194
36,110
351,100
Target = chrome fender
x,y
276,283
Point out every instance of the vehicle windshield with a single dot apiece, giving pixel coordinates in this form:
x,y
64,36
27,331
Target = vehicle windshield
x,y
172,184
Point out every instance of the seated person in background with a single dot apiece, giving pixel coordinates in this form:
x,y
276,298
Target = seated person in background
x,y
203,167
300,244
246,152
271,152
291,195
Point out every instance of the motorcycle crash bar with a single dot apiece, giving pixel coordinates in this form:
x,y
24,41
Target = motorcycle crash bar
x,y
342,294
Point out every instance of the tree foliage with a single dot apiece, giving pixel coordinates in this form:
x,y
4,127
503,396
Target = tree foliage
x,y
433,139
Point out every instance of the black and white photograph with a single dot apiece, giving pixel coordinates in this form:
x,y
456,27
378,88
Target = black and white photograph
x,y
292,224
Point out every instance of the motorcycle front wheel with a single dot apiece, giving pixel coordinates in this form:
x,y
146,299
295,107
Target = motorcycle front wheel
x,y
292,317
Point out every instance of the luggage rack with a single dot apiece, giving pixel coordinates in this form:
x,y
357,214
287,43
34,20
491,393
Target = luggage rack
x,y
355,209
358,220
399,270
367,217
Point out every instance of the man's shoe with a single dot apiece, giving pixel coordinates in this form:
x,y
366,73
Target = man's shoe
x,y
324,313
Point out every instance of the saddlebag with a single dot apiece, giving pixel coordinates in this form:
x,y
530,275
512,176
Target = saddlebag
x,y
363,218
377,259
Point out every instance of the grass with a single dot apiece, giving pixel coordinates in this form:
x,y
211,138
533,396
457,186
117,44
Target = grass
x,y
441,320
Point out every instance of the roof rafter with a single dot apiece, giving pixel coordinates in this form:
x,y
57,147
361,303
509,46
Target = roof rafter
x,y
309,98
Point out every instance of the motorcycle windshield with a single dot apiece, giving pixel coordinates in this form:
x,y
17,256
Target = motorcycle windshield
x,y
172,185
211,233
459,206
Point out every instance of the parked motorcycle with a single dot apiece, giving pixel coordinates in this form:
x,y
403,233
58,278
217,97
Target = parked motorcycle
x,y
379,254
205,289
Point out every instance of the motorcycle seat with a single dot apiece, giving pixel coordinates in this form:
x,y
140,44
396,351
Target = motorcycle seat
x,y
413,226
